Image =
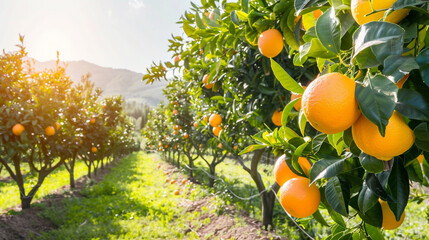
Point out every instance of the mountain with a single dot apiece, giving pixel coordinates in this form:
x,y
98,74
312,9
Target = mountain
x,y
113,81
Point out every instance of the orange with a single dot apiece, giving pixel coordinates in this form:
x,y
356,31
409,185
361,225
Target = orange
x,y
185,136
176,59
360,8
277,118
220,145
329,103
216,131
282,172
397,140
401,82
165,146
184,180
173,181
317,13
175,112
294,96
17,129
420,158
235,147
206,118
299,198
389,220
175,132
57,126
49,131
195,124
270,43
215,120
205,81
94,149
92,121
177,192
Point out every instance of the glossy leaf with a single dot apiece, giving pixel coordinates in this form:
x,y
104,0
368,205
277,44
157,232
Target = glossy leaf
x,y
327,167
395,67
374,232
319,217
382,38
370,163
398,185
328,30
285,79
377,100
287,110
302,122
412,105
315,49
367,199
423,61
335,196
422,136
373,183
251,148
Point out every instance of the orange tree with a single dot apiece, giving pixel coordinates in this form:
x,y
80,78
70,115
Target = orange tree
x,y
371,126
29,119
225,74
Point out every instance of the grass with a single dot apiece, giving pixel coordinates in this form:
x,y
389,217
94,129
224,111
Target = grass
x,y
132,201
56,180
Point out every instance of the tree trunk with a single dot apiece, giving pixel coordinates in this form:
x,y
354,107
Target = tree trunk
x,y
72,183
178,159
89,169
212,175
191,166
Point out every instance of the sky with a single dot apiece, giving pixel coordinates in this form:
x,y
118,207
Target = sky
x,y
127,34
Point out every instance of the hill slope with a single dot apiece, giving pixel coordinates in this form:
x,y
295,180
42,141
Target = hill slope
x,y
113,81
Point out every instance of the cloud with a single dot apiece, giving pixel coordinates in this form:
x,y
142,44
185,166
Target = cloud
x,y
136,4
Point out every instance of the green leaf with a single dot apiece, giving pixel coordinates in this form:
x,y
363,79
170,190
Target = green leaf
x,y
423,61
382,38
189,31
377,100
367,199
399,4
245,5
302,122
328,31
234,18
336,140
327,167
319,217
285,79
251,148
374,232
287,110
412,105
335,196
315,49
370,163
296,154
414,171
422,136
242,15
395,67
373,183
303,4
199,22
398,184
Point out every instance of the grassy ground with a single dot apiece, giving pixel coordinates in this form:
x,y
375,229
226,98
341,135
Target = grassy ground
x,y
133,201
57,179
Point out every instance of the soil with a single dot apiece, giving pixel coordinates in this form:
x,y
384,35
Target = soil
x,y
27,224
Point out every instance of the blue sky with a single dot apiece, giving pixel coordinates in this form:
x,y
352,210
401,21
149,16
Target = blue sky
x,y
111,33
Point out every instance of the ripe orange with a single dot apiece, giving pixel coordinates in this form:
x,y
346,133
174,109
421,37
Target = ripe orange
x,y
389,220
215,120
92,121
220,145
184,180
57,126
94,149
401,82
294,96
176,58
205,81
329,103
49,131
195,124
185,136
360,8
177,192
235,147
398,138
216,131
165,146
282,172
175,111
270,43
317,13
206,118
420,158
173,181
299,198
17,129
175,132
277,118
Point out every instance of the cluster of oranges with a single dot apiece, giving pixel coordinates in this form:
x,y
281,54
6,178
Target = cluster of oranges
x,y
297,196
18,128
215,120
